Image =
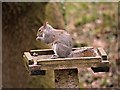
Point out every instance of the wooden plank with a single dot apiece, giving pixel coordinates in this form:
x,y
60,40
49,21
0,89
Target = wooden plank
x,y
35,67
29,58
67,66
105,61
64,63
42,52
28,55
70,66
49,51
102,53
65,59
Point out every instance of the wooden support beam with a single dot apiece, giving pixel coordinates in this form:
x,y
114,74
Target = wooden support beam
x,y
28,55
29,58
102,53
68,63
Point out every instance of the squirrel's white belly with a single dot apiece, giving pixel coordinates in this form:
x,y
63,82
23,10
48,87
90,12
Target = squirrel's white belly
x,y
55,48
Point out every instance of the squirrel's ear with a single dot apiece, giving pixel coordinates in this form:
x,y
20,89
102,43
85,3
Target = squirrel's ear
x,y
45,24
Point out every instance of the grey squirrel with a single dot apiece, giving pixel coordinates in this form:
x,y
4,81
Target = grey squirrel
x,y
61,40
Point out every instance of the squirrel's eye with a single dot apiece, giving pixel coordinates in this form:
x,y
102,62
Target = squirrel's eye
x,y
39,30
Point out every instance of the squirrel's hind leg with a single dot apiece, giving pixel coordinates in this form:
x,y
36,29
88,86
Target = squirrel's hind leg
x,y
61,50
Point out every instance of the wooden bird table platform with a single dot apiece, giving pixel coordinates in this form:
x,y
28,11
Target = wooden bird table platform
x,y
38,62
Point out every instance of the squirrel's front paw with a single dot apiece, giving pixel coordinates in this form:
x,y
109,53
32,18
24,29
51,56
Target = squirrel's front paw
x,y
39,38
54,56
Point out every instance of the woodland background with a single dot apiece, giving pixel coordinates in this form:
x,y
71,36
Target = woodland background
x,y
90,24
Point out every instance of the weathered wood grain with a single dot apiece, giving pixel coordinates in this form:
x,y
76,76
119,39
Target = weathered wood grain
x,y
43,61
102,53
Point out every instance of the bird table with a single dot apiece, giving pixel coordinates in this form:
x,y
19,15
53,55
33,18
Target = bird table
x,y
65,71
